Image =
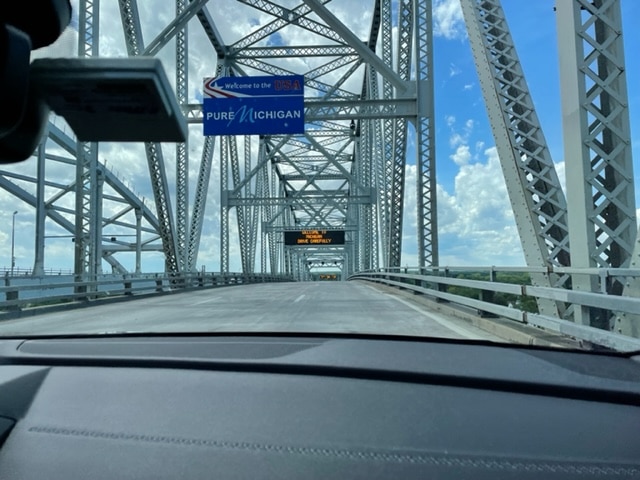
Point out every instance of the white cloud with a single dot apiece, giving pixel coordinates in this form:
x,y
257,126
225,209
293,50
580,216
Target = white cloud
x,y
458,138
462,155
448,19
476,219
562,176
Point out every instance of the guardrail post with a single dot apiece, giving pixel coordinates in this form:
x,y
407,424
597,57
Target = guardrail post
x,y
11,294
444,288
159,288
488,295
127,286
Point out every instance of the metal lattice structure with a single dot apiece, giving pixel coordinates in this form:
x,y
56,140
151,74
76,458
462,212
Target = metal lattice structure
x,y
597,140
88,187
534,189
324,179
366,94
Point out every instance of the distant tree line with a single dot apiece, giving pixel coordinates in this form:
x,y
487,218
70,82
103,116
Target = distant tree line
x,y
521,302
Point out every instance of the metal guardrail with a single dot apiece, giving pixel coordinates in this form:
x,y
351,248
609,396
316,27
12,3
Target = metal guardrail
x,y
435,282
19,293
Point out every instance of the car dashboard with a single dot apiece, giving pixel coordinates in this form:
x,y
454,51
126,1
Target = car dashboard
x,y
162,407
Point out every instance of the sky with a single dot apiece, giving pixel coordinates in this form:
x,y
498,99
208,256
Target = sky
x,y
476,225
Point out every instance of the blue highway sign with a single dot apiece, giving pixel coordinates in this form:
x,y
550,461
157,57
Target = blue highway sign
x,y
266,105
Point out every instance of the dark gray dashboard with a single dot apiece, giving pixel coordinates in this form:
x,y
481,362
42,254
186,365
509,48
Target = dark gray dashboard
x,y
313,407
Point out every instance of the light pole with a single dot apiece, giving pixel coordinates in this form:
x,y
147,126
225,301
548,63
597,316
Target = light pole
x,y
13,233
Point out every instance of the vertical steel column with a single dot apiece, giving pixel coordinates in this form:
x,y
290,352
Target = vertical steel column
x,y
224,204
138,213
274,251
355,213
240,209
182,151
233,159
88,221
385,173
363,167
425,137
255,210
599,167
200,200
242,212
38,264
155,159
202,189
262,191
405,51
377,175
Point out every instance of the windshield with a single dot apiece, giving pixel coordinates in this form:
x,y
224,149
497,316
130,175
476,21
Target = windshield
x,y
448,168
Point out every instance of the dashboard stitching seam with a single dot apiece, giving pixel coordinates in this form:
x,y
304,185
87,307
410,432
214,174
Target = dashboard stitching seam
x,y
433,459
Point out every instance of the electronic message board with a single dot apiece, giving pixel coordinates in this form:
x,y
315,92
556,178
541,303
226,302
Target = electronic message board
x,y
265,105
314,237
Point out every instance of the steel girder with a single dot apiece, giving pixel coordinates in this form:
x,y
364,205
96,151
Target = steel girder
x,y
374,150
124,194
38,264
241,210
200,201
182,159
88,203
385,173
600,188
425,138
184,14
54,203
155,159
405,53
204,172
536,196
224,207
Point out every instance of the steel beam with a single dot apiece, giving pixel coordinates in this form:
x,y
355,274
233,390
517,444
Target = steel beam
x,y
182,155
600,179
532,183
425,137
88,204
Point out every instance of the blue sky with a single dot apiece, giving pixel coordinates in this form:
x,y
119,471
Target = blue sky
x,y
533,29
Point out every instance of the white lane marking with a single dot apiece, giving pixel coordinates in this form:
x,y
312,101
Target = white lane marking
x,y
442,321
212,299
299,298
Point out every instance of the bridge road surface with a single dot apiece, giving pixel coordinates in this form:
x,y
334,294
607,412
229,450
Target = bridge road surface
x,y
334,307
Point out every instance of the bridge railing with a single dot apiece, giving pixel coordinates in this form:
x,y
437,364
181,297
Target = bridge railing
x,y
506,292
23,292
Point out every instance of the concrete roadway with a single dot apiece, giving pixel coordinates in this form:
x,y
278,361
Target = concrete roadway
x,y
343,307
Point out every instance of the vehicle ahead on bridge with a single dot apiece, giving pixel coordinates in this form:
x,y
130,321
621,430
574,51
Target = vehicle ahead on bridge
x,y
167,377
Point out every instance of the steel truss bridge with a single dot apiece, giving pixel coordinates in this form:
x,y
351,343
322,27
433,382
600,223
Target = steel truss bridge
x,y
365,97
